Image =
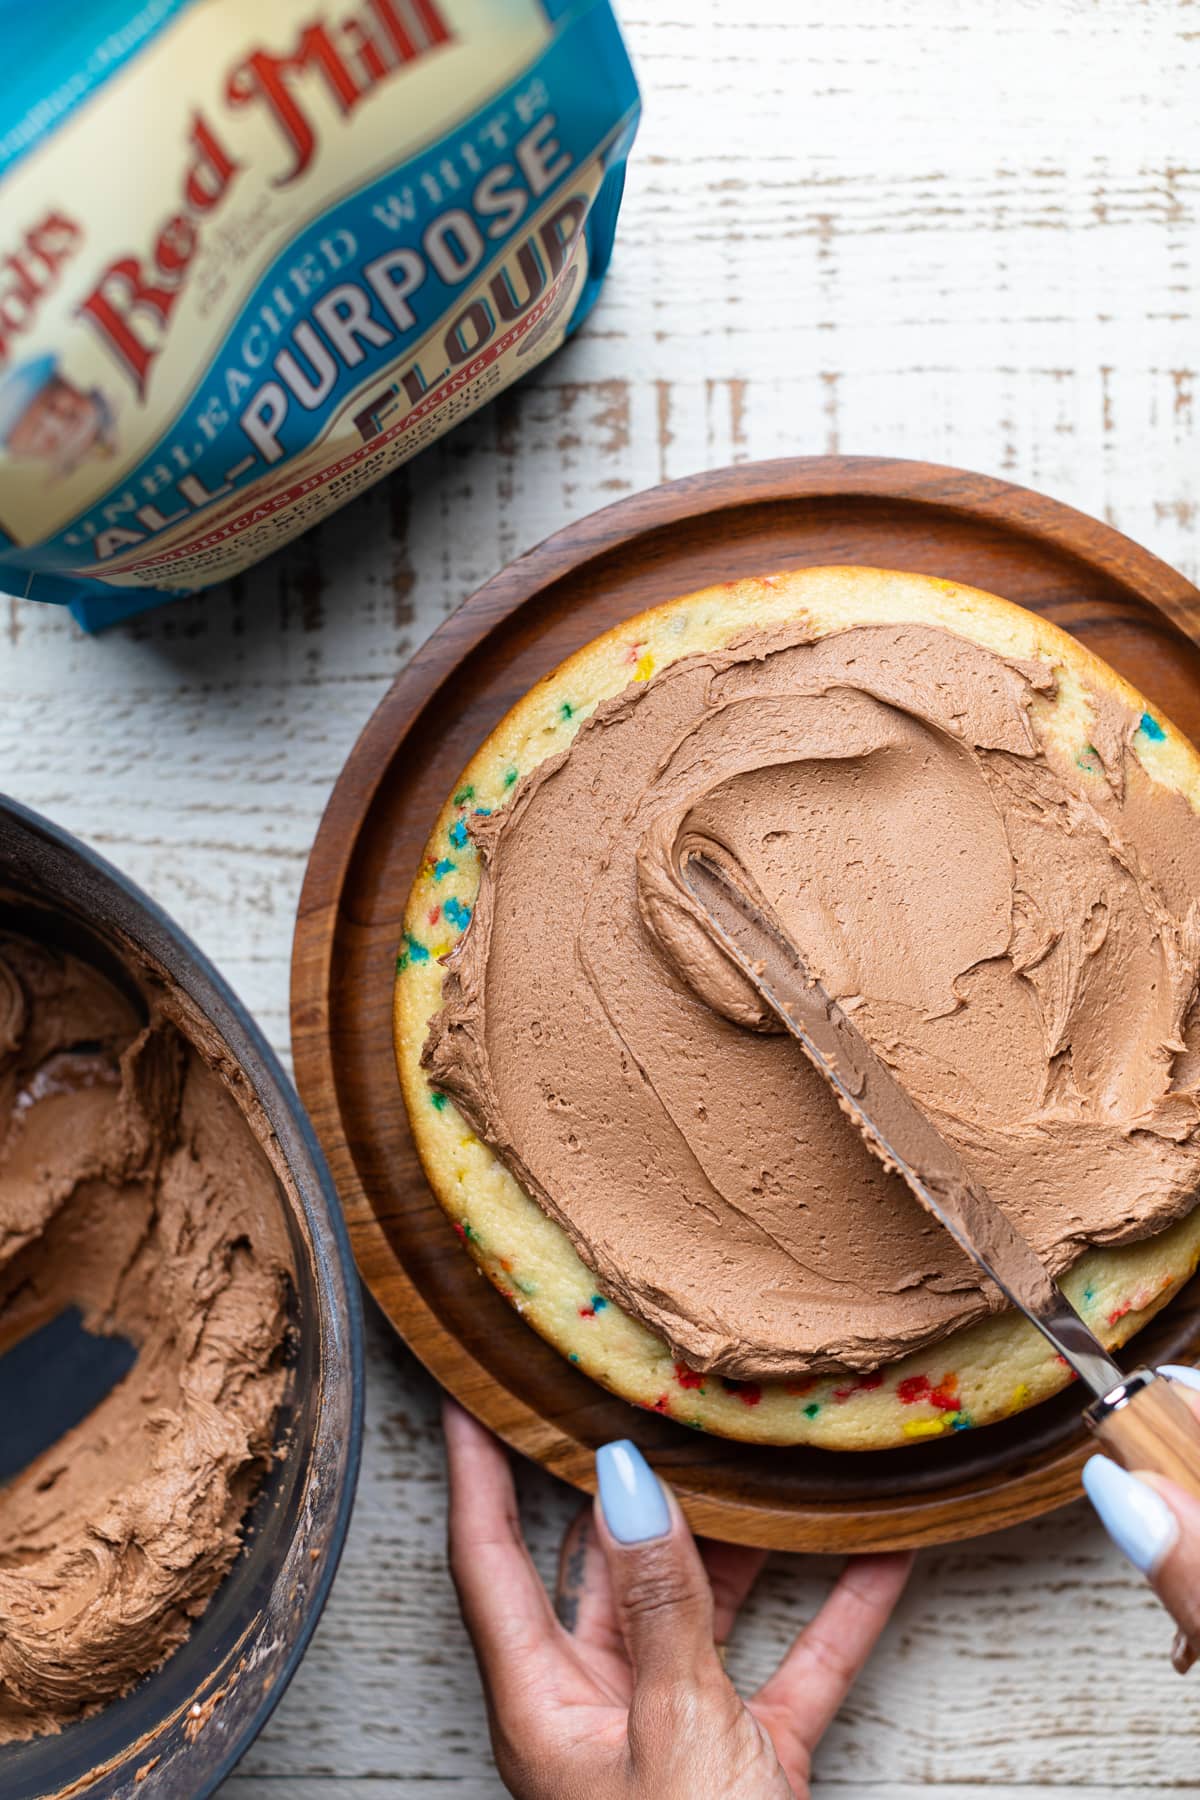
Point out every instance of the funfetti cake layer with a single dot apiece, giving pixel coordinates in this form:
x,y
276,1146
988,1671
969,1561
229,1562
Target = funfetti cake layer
x,y
986,843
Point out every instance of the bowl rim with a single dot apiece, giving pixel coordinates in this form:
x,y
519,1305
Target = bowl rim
x,y
328,1234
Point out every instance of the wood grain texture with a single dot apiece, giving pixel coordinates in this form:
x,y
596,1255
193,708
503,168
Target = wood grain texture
x,y
1156,1429
747,519
886,226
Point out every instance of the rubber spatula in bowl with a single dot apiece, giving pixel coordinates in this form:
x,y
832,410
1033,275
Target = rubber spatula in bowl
x,y
50,1379
1140,1419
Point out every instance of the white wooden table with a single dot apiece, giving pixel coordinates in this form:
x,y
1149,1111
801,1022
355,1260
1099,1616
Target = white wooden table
x,y
963,233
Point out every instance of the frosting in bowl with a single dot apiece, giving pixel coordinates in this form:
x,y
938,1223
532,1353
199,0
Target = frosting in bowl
x,y
133,1187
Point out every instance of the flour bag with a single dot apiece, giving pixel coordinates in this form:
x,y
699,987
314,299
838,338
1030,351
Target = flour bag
x,y
253,256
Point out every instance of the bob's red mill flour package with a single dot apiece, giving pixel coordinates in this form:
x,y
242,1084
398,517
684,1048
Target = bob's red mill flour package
x,y
254,255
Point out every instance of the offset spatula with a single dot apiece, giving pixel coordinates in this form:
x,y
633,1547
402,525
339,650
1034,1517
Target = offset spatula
x,y
1139,1419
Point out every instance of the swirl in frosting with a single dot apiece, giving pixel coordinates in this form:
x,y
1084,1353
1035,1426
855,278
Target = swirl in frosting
x,y
1012,922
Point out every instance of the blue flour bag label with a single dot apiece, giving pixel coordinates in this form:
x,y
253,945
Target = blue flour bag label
x,y
253,256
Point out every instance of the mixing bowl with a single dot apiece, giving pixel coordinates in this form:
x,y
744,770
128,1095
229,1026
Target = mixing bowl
x,y
180,1731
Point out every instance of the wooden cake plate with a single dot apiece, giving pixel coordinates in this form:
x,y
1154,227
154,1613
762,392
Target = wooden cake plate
x,y
757,517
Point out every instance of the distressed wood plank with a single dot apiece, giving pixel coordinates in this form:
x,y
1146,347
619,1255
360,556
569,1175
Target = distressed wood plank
x,y
973,238
473,1787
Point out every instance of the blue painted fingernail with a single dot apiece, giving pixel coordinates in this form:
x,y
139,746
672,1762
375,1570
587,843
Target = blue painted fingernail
x,y
631,1497
1181,1373
1139,1521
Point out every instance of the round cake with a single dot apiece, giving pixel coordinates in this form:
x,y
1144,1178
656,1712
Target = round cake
x,y
986,845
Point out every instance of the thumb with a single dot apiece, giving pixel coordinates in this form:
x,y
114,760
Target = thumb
x,y
1176,1577
660,1590
1156,1524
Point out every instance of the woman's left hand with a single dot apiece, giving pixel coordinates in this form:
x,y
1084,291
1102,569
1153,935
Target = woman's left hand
x,y
619,1691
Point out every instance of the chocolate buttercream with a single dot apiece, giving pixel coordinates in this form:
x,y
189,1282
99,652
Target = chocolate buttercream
x,y
712,890
131,1186
1016,936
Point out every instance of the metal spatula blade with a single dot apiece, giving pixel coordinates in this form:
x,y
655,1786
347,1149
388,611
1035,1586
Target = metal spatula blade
x,y
894,1127
1142,1419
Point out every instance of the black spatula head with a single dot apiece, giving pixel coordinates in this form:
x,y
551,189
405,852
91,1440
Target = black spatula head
x,y
51,1380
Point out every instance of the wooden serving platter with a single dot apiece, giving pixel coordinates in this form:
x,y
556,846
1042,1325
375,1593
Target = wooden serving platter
x,y
751,519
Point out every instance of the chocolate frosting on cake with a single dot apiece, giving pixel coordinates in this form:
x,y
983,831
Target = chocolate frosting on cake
x,y
132,1186
1011,922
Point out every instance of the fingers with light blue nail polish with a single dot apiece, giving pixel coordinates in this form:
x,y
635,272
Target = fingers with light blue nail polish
x,y
1155,1522
1139,1521
631,1495
660,1590
1180,1372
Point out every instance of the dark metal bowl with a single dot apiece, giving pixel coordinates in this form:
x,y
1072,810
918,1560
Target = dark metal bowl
x,y
246,1645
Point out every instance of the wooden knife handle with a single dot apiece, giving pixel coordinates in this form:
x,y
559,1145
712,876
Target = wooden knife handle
x,y
1154,1429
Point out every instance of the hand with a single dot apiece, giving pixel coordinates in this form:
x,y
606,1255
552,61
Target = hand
x,y
1156,1524
622,1695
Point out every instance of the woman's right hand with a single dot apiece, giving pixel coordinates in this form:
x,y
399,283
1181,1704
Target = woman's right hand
x,y
1156,1525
